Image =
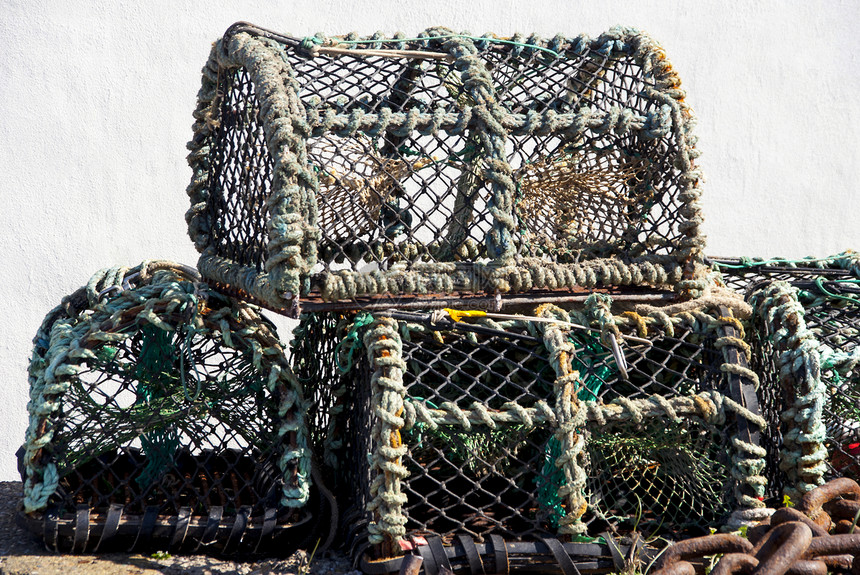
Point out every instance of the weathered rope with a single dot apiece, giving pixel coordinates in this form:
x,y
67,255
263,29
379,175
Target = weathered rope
x,y
384,352
748,459
709,406
570,418
798,359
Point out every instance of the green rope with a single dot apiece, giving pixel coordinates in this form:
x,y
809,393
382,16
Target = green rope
x,y
819,283
749,263
344,350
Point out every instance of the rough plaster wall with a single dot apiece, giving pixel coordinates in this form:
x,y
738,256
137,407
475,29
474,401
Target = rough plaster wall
x,y
96,101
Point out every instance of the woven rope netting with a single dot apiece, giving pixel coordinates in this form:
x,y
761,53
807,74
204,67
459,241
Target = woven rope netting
x,y
467,151
479,448
164,397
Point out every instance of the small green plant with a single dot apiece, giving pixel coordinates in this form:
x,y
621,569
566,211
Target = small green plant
x,y
854,523
305,566
786,501
160,555
712,562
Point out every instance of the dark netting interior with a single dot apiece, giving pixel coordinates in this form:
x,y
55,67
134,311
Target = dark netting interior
x,y
659,477
314,361
208,440
424,197
772,402
339,438
175,421
590,195
836,324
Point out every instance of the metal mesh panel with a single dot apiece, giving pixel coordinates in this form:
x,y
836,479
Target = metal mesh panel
x,y
481,480
405,172
664,476
745,274
836,323
314,361
772,402
602,194
658,477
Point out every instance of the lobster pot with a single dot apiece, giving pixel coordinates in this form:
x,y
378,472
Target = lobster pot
x,y
345,168
806,341
163,416
481,432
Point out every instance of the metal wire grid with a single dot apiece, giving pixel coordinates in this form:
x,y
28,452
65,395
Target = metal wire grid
x,y
626,187
666,478
660,478
373,214
745,278
418,206
313,353
772,402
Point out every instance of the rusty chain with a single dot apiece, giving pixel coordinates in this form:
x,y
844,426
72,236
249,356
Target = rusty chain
x,y
819,537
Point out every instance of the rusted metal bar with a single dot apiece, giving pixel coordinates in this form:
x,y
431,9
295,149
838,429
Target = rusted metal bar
x,y
474,302
834,545
411,565
704,546
787,514
741,388
813,502
780,548
791,541
735,564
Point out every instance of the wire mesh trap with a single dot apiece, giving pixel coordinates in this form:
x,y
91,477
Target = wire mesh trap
x,y
523,429
163,415
341,168
806,341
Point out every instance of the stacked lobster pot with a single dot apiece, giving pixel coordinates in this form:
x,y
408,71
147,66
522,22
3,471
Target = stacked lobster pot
x,y
806,340
507,330
164,416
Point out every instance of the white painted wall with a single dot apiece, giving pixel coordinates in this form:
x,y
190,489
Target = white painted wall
x,y
96,101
